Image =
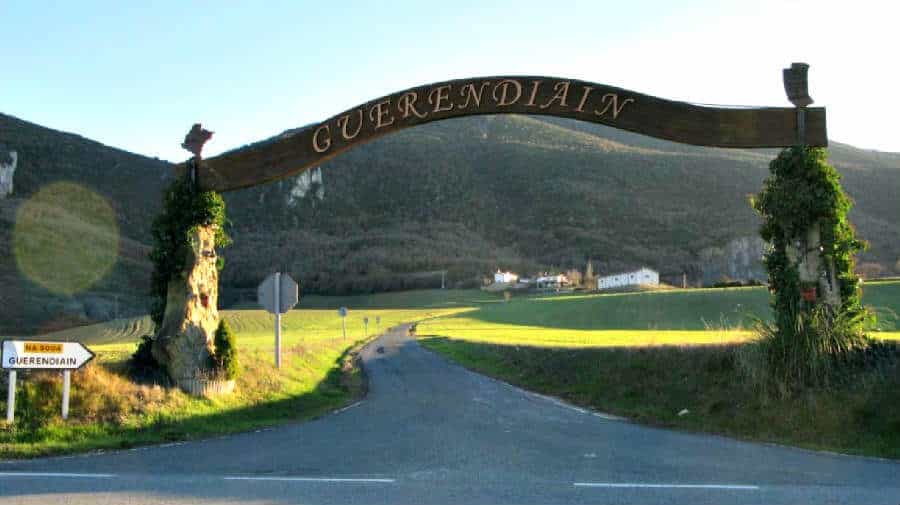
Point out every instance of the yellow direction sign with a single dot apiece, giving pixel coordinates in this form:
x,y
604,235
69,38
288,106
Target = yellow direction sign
x,y
27,354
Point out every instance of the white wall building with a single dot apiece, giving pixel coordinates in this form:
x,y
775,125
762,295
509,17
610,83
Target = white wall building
x,y
505,277
642,277
552,281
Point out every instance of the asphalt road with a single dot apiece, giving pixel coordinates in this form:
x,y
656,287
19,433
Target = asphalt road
x,y
431,432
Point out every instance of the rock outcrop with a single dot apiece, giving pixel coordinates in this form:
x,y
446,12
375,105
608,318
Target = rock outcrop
x,y
184,342
739,259
8,162
308,183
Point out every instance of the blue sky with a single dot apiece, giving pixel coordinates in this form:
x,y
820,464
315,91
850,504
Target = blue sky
x,y
136,75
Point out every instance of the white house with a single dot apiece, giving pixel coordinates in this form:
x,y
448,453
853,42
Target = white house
x,y
642,277
552,281
505,277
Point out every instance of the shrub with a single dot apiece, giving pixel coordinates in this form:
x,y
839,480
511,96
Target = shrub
x,y
226,359
818,350
142,365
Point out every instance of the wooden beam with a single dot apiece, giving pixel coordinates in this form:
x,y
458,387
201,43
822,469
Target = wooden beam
x,y
568,98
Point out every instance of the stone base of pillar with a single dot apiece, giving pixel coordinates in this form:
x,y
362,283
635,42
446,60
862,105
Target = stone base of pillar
x,y
206,387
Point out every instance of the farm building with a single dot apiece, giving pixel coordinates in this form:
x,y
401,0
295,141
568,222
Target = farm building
x,y
552,281
642,277
505,277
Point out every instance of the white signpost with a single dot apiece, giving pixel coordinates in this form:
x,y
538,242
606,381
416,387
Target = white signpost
x,y
378,323
366,324
278,293
343,313
35,355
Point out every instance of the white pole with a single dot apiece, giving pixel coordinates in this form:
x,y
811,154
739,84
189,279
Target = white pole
x,y
11,398
67,382
277,319
366,333
344,326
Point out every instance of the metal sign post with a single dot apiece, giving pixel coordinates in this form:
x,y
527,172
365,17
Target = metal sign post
x,y
67,381
278,320
343,313
378,324
366,330
31,355
278,293
11,398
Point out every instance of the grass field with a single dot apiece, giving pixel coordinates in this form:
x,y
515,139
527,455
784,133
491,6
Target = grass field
x,y
677,317
649,355
109,411
516,341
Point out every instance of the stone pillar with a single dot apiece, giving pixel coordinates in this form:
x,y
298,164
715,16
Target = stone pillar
x,y
806,253
184,342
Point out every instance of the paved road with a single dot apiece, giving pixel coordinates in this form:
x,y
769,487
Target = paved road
x,y
431,432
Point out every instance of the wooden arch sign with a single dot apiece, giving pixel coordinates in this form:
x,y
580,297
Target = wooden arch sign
x,y
568,98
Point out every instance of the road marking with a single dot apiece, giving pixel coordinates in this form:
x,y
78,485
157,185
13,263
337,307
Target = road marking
x,y
608,417
348,407
311,479
741,487
58,474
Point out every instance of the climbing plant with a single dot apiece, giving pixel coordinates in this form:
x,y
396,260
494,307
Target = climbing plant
x,y
184,209
804,191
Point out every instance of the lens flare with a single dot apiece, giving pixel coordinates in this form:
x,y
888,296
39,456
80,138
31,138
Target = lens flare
x,y
65,238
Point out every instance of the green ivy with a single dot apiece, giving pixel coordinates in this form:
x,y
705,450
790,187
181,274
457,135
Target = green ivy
x,y
803,190
184,209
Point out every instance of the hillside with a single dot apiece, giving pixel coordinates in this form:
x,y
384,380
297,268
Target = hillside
x,y
518,192
128,183
467,195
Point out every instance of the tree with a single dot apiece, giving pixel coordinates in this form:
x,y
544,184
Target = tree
x,y
589,279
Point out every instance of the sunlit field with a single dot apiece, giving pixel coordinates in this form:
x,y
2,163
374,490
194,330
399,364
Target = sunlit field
x,y
110,411
675,317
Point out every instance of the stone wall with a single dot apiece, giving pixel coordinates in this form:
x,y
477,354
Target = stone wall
x,y
184,341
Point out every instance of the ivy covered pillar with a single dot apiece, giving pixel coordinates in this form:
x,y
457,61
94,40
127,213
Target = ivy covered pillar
x,y
186,278
818,315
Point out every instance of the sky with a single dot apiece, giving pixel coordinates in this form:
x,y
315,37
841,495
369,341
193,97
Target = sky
x,y
136,75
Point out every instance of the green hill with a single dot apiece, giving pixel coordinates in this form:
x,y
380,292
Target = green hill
x,y
465,195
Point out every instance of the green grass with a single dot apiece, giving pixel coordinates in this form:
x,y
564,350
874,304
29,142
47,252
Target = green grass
x,y
651,385
695,316
648,355
109,411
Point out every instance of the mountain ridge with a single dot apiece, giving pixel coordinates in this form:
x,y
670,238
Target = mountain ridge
x,y
465,195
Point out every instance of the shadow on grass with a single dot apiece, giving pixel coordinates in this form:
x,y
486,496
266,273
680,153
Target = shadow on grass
x,y
339,386
699,388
